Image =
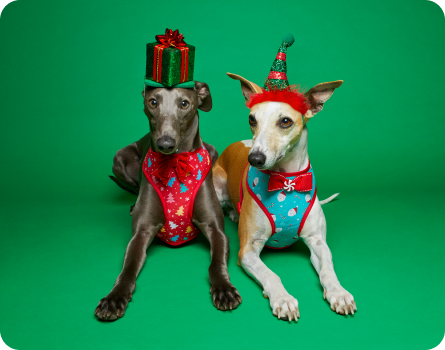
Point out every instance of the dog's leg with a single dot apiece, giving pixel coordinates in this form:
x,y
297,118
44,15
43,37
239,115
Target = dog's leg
x,y
212,152
222,192
126,165
148,219
127,162
208,216
314,235
254,230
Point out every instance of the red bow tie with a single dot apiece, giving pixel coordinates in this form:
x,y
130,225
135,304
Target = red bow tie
x,y
302,183
171,164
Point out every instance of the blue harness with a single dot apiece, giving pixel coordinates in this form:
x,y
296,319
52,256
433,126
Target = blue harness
x,y
286,208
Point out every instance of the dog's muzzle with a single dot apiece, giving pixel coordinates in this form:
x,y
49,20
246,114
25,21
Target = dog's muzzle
x,y
166,144
257,159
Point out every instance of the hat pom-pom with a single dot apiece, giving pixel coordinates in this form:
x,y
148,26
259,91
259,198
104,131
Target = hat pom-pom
x,y
288,39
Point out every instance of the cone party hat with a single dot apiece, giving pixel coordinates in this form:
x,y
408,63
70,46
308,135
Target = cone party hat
x,y
277,79
277,88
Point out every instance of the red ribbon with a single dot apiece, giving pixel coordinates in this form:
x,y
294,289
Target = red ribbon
x,y
302,183
175,40
184,63
171,164
171,38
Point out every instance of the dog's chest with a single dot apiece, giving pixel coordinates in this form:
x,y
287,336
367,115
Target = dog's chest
x,y
177,192
286,208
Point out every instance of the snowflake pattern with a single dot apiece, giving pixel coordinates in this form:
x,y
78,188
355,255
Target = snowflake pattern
x,y
179,227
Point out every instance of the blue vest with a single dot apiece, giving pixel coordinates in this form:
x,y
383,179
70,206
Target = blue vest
x,y
286,209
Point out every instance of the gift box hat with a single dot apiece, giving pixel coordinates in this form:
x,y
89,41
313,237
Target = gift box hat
x,y
170,61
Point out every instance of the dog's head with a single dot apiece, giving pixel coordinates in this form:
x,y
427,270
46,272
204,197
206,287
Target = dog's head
x,y
276,126
171,111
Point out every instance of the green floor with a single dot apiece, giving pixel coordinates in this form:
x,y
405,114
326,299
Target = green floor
x,y
70,83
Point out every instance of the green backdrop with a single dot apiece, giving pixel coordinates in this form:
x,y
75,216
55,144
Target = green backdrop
x,y
71,76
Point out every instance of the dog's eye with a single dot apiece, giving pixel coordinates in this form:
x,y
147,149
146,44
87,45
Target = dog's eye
x,y
152,103
184,104
286,122
252,120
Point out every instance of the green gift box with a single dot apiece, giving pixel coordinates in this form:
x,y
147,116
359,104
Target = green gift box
x,y
170,61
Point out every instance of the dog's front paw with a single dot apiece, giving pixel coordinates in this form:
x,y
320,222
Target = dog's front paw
x,y
341,301
285,307
113,306
225,296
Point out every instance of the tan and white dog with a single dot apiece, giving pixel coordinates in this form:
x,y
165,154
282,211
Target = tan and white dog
x,y
279,143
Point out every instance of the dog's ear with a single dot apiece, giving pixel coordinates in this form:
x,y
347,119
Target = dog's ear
x,y
204,97
247,87
318,95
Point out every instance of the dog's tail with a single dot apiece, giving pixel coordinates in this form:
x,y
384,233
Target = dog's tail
x,y
330,199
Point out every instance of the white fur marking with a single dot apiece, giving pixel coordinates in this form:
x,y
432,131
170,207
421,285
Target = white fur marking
x,y
314,235
271,108
247,143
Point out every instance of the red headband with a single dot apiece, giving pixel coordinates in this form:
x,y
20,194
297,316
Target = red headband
x,y
289,95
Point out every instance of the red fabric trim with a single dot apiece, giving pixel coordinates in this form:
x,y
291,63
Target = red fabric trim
x,y
277,75
308,210
200,182
263,208
148,177
161,49
281,56
241,190
154,63
290,95
157,68
184,63
181,80
175,244
269,172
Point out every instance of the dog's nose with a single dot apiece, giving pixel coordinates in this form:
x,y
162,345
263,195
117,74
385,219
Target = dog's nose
x,y
257,159
166,144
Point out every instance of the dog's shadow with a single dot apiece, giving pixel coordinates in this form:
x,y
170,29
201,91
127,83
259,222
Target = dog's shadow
x,y
120,198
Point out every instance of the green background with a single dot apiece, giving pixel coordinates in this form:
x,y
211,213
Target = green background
x,y
71,75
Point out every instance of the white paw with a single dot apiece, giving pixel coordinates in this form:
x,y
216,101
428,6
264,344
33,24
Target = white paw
x,y
341,301
233,216
284,306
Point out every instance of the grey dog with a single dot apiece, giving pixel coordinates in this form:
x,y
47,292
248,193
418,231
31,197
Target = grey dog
x,y
174,127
